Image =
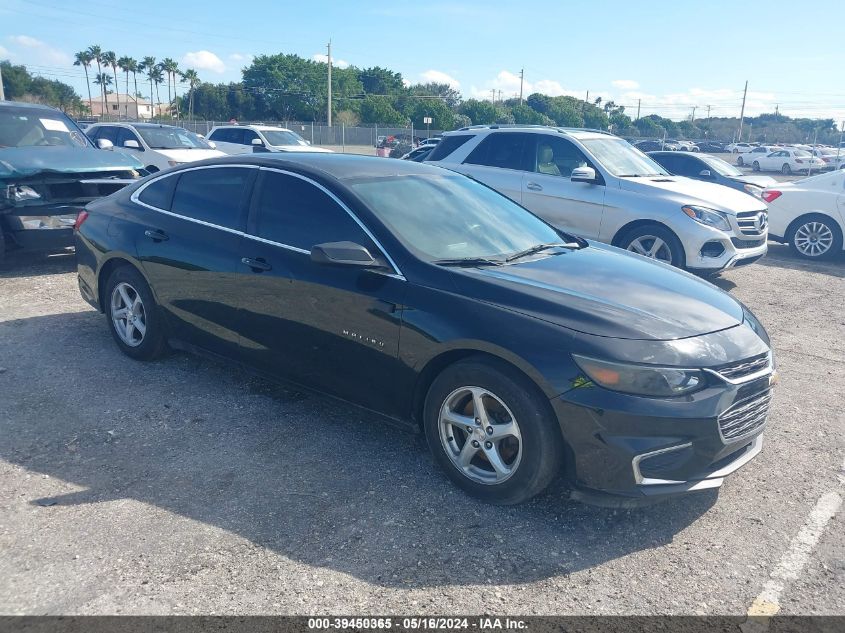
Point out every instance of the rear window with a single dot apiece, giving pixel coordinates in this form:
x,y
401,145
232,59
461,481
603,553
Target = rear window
x,y
448,145
213,195
159,193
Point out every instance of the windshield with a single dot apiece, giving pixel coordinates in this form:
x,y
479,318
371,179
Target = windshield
x,y
621,159
283,137
171,138
801,153
450,217
32,127
720,167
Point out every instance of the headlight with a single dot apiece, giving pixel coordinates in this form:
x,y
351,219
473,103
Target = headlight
x,y
643,380
21,193
754,190
708,217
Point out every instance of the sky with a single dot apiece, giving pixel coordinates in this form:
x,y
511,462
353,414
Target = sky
x,y
668,57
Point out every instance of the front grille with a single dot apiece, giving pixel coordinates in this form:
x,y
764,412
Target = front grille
x,y
743,368
745,417
747,243
752,222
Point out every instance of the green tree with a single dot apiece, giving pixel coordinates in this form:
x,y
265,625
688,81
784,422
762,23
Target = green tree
x,y
380,81
380,111
442,116
193,80
104,80
96,54
148,66
170,68
525,114
480,112
449,95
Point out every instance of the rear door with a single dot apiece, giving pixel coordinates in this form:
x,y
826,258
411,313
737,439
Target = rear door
x,y
229,140
548,191
500,161
331,327
190,252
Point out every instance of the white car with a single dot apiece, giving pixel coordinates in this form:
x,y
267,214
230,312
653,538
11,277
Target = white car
x,y
809,214
739,148
747,158
598,186
156,146
788,161
833,157
246,139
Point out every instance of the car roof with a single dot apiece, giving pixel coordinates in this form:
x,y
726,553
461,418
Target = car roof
x,y
139,125
250,126
24,104
537,129
331,165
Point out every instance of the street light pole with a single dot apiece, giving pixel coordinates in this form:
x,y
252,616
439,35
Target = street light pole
x,y
330,83
2,94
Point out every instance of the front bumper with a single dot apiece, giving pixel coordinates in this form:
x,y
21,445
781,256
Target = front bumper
x,y
711,250
636,448
42,232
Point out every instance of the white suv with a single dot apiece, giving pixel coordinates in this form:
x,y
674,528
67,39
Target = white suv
x,y
246,139
596,185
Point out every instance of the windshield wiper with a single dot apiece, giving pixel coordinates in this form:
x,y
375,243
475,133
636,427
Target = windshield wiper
x,y
468,261
540,248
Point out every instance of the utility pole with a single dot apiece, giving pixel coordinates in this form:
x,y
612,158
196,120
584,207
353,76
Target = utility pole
x,y
493,93
2,94
330,83
742,113
586,101
639,103
692,120
521,81
500,96
708,115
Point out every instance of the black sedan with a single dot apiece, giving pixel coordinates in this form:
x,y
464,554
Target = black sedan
x,y
426,297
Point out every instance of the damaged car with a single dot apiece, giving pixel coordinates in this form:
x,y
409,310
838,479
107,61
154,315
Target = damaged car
x,y
49,170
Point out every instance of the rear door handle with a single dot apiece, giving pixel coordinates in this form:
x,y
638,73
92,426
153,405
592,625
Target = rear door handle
x,y
157,235
258,264
533,186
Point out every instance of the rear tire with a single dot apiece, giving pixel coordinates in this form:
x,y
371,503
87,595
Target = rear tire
x,y
132,314
503,451
815,236
740,161
786,169
643,239
756,166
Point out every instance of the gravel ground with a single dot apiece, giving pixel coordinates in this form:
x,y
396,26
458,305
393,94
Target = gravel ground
x,y
185,486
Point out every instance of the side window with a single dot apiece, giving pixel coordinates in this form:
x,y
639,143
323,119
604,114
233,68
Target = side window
x,y
124,135
558,156
108,132
669,163
248,135
212,195
685,166
217,135
159,193
507,150
448,145
293,211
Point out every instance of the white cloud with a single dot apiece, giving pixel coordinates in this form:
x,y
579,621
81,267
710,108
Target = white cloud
x,y
324,59
439,77
204,60
508,83
26,49
625,84
4,52
242,57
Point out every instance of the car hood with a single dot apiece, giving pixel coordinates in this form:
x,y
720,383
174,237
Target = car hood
x,y
299,148
760,181
189,155
605,291
689,191
16,162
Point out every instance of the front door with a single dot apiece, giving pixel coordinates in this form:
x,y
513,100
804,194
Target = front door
x,y
548,191
335,328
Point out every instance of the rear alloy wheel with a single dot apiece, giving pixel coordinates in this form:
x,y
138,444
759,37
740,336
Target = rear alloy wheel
x,y
740,161
655,242
786,169
756,166
489,431
133,315
815,237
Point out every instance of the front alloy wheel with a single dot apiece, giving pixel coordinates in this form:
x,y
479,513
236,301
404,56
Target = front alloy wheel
x,y
653,247
480,435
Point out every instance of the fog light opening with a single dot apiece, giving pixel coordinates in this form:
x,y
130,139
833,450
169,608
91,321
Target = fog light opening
x,y
713,249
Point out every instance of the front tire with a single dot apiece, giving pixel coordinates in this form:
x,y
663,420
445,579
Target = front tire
x,y
815,237
740,161
786,169
133,316
655,242
492,432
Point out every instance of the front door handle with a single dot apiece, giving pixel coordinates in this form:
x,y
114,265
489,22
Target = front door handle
x,y
533,186
258,264
156,235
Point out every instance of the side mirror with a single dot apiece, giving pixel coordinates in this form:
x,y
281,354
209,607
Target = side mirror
x,y
104,143
131,144
212,144
584,174
705,173
257,141
343,254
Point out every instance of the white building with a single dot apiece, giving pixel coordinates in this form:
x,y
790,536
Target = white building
x,y
131,107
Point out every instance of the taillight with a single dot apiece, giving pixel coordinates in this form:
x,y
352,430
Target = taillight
x,y
798,160
771,195
80,218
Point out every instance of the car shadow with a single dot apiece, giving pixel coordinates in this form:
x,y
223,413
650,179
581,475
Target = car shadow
x,y
306,476
781,256
34,264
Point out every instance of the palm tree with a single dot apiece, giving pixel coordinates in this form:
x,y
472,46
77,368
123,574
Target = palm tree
x,y
110,59
96,54
104,81
148,66
133,67
84,59
193,80
170,67
123,64
157,78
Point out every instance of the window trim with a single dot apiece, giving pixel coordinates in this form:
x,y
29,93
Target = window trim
x,y
134,197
